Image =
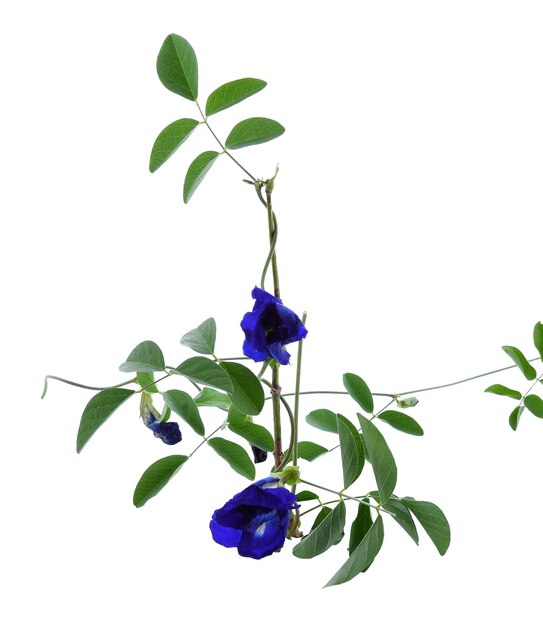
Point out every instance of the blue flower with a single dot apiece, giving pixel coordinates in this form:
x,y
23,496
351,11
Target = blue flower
x,y
256,520
268,327
169,432
259,455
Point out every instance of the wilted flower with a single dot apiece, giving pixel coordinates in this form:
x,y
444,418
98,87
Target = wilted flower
x,y
268,327
256,520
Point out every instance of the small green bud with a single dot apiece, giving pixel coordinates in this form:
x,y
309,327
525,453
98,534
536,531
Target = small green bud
x,y
406,403
289,476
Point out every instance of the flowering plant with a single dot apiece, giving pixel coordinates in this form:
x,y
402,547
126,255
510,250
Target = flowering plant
x,y
259,519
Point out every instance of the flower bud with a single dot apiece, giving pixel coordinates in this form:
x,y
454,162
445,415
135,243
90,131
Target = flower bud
x,y
406,403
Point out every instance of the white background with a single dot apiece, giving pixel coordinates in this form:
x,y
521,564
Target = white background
x,y
409,202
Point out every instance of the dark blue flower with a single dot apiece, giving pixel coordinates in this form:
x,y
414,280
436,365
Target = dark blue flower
x,y
169,432
256,520
259,455
268,327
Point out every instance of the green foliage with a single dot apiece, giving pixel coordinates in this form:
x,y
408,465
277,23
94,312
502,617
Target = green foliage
x,y
360,527
210,397
359,391
380,457
521,361
234,455
322,514
197,172
401,421
363,555
433,520
181,403
253,131
538,338
323,536
515,416
145,380
403,517
255,434
156,477
246,393
177,67
500,390
310,451
169,140
534,404
352,454
323,419
200,369
98,409
231,93
202,339
305,496
145,357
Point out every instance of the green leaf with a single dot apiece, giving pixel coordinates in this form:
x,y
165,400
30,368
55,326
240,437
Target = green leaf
x,y
231,93
197,171
181,403
145,357
538,338
402,515
534,404
324,536
255,434
305,496
169,139
202,339
199,369
433,520
253,131
310,451
401,421
234,455
362,557
359,391
210,397
322,514
98,409
500,390
515,416
166,413
360,527
380,457
352,455
247,393
145,380
177,67
323,419
521,361
156,477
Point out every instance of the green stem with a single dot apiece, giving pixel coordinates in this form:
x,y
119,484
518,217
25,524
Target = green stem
x,y
205,439
287,455
276,406
297,396
343,495
271,254
74,384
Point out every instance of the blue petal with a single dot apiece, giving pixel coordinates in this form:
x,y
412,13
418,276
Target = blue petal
x,y
254,353
262,537
262,297
279,353
169,432
224,535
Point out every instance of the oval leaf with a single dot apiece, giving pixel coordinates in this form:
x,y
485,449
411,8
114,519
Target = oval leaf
x,y
352,455
253,131
98,409
169,140
433,520
247,393
181,403
255,434
234,455
534,404
310,451
197,171
521,361
231,93
157,476
145,380
538,338
177,67
210,397
323,513
199,369
401,421
323,419
380,457
515,416
305,496
360,527
145,357
324,536
362,557
403,517
359,391
202,339
500,390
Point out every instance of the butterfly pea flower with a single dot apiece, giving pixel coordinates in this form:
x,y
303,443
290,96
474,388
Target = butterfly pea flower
x,y
259,455
256,520
269,327
168,432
